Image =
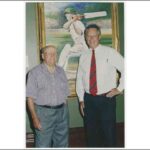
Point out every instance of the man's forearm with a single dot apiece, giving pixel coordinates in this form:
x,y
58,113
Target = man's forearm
x,y
35,119
68,24
31,107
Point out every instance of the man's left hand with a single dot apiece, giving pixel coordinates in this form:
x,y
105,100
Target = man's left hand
x,y
113,92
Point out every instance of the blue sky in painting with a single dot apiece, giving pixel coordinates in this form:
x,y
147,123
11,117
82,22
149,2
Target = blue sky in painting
x,y
81,7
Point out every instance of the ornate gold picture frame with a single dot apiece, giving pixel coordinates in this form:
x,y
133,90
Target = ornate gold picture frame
x,y
50,20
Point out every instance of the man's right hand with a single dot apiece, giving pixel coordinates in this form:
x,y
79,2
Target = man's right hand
x,y
75,17
36,123
82,108
35,119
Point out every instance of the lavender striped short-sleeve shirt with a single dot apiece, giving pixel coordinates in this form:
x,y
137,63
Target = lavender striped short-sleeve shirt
x,y
47,88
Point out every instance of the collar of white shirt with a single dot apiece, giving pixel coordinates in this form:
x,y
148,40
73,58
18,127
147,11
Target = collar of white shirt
x,y
97,48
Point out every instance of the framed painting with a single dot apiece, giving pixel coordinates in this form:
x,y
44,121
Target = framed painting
x,y
52,22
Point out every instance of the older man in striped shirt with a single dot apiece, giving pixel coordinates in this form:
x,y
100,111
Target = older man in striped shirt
x,y
47,91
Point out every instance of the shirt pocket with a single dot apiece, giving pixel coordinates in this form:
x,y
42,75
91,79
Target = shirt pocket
x,y
102,64
42,83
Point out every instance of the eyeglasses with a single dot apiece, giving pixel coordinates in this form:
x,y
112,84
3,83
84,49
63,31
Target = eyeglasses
x,y
92,36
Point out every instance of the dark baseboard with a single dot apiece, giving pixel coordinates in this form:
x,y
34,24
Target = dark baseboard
x,y
77,137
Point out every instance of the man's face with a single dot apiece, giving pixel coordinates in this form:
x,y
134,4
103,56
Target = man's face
x,y
92,38
68,16
50,56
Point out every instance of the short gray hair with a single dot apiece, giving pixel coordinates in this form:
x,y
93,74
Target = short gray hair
x,y
43,49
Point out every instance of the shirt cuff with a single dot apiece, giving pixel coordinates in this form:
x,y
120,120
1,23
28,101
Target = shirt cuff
x,y
81,98
31,95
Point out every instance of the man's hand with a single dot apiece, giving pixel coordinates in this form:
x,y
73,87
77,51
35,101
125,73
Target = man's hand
x,y
82,107
113,92
76,17
35,119
36,123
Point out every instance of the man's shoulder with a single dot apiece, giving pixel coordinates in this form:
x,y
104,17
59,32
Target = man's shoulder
x,y
59,68
85,53
106,47
36,69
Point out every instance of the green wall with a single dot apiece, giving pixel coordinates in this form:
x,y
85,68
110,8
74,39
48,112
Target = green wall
x,y
31,36
31,42
120,98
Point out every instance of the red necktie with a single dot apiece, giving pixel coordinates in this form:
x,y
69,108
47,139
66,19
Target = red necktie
x,y
93,80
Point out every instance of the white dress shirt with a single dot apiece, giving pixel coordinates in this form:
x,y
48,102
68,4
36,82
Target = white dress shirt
x,y
108,60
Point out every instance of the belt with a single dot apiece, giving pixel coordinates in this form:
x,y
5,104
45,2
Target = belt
x,y
52,107
103,94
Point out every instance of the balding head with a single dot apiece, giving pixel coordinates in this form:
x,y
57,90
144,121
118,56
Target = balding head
x,y
49,55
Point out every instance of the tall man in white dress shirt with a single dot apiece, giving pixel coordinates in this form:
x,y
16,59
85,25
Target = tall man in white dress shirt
x,y
97,88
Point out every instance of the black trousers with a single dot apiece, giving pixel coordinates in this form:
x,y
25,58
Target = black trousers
x,y
100,120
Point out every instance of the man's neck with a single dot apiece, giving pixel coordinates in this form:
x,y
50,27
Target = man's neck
x,y
51,68
95,47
